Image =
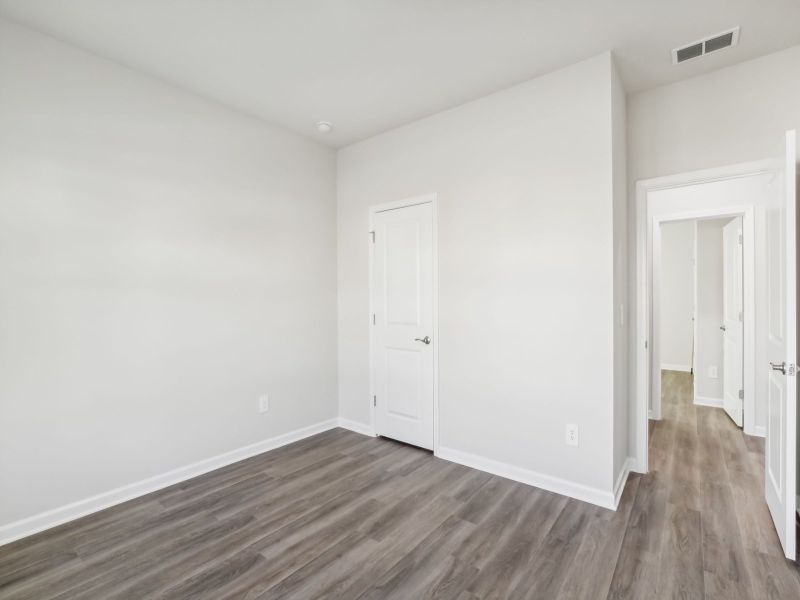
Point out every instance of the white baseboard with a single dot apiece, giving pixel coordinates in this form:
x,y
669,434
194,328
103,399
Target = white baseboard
x,y
759,431
356,426
707,401
622,479
671,367
546,482
57,516
638,466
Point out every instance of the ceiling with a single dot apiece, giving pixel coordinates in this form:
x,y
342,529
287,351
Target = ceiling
x,y
371,65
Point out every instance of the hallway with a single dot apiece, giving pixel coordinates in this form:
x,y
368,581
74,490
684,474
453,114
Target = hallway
x,y
700,525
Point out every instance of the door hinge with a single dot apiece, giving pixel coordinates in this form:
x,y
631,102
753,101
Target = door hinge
x,y
373,318
740,239
790,369
372,233
741,394
645,344
740,316
374,401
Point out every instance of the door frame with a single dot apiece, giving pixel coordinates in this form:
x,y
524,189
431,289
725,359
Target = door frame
x,y
694,313
432,199
647,246
748,281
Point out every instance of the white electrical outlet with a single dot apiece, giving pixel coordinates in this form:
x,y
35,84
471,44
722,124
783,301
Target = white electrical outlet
x,y
572,435
263,403
712,372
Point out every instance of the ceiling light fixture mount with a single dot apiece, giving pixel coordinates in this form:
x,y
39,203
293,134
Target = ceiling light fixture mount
x,y
324,127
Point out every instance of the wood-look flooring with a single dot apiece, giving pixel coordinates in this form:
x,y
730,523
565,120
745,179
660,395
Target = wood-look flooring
x,y
341,515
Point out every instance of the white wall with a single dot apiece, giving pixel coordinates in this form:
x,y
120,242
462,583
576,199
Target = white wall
x,y
621,316
732,115
526,269
164,261
709,308
677,295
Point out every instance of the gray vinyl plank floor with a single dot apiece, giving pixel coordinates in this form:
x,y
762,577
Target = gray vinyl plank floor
x,y
341,515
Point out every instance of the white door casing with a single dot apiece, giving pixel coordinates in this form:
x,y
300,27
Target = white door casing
x,y
781,426
732,315
403,337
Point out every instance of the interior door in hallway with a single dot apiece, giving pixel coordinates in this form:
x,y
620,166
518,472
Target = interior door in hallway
x,y
780,448
403,344
732,311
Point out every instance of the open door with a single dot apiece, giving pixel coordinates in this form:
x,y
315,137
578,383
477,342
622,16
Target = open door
x,y
732,312
780,451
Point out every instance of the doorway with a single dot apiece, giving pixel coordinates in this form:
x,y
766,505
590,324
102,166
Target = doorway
x,y
403,321
701,313
682,341
764,194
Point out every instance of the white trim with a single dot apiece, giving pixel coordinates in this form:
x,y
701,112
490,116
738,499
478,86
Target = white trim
x,y
433,199
622,479
646,352
759,431
695,340
564,487
362,428
707,401
682,368
81,508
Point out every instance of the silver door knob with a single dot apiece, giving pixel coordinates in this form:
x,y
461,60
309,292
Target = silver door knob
x,y
425,340
779,367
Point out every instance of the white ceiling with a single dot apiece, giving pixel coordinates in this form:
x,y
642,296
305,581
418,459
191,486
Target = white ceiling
x,y
371,65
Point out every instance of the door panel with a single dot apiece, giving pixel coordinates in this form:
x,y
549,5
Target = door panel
x,y
780,453
402,288
402,272
732,311
404,393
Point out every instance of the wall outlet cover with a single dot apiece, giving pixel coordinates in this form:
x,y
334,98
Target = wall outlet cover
x,y
572,435
263,403
713,373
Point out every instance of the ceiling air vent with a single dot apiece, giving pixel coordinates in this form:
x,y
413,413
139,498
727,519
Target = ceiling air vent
x,y
726,39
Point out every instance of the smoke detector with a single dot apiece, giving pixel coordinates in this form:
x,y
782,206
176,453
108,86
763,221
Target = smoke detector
x,y
726,39
323,126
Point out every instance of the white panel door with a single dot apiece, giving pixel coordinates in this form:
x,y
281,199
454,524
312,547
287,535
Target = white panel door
x,y
732,312
780,449
402,288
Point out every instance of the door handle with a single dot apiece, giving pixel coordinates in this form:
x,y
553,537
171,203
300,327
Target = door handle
x,y
723,328
426,340
778,367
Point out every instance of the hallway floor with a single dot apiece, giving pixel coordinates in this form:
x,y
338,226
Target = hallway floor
x,y
700,526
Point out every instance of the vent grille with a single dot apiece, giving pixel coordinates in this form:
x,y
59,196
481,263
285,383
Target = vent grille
x,y
726,39
719,42
690,52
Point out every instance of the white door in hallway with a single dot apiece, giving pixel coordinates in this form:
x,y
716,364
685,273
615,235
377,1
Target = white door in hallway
x,y
780,449
732,311
403,342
